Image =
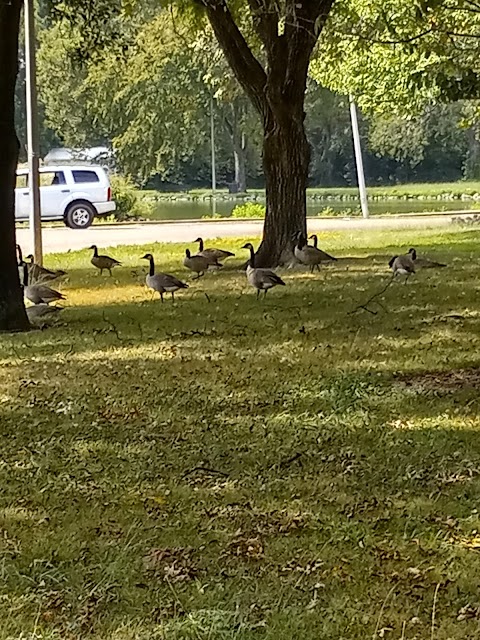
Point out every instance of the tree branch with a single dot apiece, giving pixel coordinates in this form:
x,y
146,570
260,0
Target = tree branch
x,y
247,69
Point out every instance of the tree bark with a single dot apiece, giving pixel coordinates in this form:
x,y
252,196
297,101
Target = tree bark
x,y
278,93
286,157
12,309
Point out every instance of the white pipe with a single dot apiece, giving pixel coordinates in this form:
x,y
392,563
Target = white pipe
x,y
358,158
32,133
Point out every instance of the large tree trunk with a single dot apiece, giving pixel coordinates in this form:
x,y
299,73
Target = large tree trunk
x,y
286,157
12,310
288,32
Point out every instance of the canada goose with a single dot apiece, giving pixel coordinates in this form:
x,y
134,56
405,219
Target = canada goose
x,y
162,282
328,257
310,256
37,273
39,313
103,262
424,263
403,265
41,294
198,263
214,254
261,279
22,267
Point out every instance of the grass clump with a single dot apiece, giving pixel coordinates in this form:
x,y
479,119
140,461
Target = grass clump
x,y
222,468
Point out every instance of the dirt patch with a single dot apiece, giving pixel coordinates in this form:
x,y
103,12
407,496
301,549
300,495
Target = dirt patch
x,y
446,381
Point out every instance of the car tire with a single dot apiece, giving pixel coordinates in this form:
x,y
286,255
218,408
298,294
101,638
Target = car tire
x,y
79,215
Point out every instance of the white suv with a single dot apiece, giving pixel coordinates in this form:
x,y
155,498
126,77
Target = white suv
x,y
74,194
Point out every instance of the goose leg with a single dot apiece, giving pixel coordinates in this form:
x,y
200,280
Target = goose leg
x,y
161,296
110,272
173,297
258,293
265,294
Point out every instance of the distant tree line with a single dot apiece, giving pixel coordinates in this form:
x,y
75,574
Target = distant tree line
x,y
151,103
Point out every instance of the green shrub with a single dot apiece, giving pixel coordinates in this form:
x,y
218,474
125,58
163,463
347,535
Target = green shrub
x,y
249,210
124,193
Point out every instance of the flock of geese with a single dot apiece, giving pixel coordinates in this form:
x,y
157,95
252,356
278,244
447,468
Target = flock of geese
x,y
35,279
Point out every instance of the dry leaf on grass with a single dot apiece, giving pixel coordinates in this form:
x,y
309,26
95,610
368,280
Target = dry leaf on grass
x,y
174,564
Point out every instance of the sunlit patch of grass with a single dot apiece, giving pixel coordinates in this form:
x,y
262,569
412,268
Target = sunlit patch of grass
x,y
227,468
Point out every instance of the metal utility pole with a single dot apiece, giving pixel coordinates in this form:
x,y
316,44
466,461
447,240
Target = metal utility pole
x,y
212,144
32,132
358,158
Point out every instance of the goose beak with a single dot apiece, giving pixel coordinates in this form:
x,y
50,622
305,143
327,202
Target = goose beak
x,y
145,257
246,246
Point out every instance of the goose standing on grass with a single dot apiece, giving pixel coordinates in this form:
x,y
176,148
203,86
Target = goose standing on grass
x,y
261,279
214,255
41,274
424,263
309,256
103,262
403,265
162,282
40,313
198,263
326,256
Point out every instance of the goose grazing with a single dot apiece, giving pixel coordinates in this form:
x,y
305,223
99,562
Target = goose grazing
x,y
37,273
162,282
310,256
424,263
403,265
198,263
40,313
261,279
214,254
103,262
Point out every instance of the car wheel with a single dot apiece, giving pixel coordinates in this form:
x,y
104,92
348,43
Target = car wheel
x,y
79,215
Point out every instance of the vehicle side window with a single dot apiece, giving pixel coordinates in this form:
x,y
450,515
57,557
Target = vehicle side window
x,y
51,178
22,181
85,176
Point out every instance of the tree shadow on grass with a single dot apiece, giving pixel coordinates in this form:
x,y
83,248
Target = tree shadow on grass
x,y
348,481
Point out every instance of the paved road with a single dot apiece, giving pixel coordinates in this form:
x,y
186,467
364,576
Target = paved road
x,y
58,239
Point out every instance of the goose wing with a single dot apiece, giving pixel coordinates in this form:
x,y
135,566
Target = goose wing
x,y
167,281
269,276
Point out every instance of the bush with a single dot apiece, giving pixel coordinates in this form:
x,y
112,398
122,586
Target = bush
x,y
124,193
249,210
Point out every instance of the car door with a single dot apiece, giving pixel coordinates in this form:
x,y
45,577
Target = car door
x,y
54,192
22,196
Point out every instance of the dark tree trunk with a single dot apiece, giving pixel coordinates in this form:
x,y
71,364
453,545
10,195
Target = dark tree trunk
x,y
286,157
288,32
12,310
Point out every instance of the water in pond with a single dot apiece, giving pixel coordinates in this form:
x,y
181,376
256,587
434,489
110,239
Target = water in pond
x,y
183,210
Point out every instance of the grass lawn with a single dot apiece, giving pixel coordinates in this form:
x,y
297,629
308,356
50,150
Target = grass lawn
x,y
231,469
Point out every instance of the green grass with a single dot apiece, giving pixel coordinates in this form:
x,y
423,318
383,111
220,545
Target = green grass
x,y
232,469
